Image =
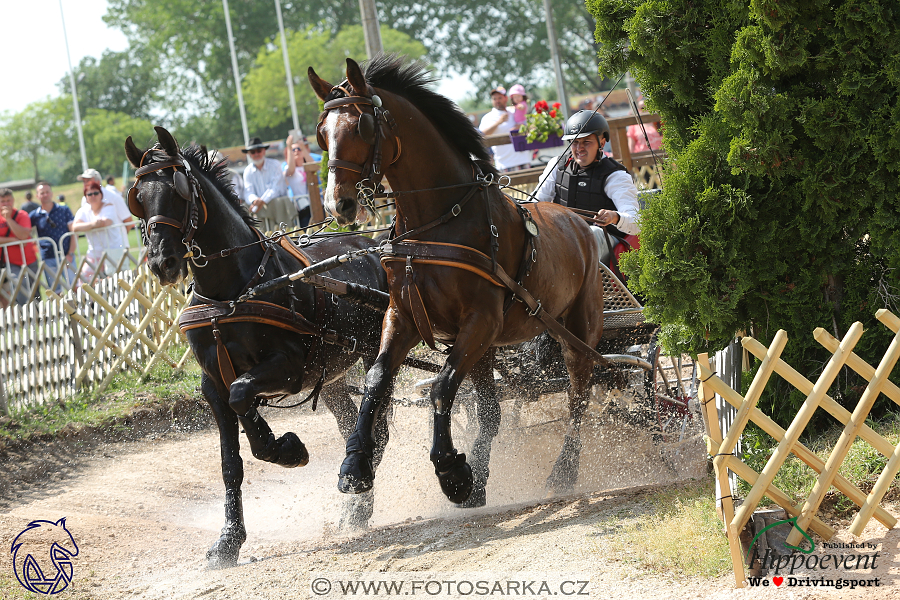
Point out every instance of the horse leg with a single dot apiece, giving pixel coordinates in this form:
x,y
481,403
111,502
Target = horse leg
x,y
488,411
583,323
357,473
288,450
358,508
454,474
224,552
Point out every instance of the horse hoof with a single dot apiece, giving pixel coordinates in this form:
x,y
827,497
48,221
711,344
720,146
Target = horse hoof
x,y
476,499
561,482
356,512
223,554
455,476
291,451
356,474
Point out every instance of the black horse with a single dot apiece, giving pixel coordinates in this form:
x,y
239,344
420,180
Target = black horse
x,y
192,213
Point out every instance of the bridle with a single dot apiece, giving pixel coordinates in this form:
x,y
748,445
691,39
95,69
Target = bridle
x,y
371,132
188,189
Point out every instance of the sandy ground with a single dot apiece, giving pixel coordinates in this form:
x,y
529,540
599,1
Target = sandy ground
x,y
144,512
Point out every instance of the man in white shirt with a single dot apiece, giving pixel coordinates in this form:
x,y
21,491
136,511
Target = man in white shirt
x,y
263,179
110,194
500,121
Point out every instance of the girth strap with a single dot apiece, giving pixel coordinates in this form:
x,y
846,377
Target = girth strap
x,y
417,306
226,369
258,311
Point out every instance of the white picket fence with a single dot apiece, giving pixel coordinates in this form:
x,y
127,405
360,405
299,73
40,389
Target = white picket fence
x,y
43,348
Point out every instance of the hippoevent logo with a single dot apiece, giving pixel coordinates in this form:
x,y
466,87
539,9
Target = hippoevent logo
x,y
42,557
808,563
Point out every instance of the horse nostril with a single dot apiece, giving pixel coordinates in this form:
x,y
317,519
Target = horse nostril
x,y
343,205
169,264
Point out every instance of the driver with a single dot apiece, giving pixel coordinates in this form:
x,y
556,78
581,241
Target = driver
x,y
585,178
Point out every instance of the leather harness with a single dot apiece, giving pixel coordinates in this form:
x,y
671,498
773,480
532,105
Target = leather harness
x,y
411,251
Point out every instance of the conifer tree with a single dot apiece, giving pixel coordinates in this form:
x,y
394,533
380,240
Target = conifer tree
x,y
781,197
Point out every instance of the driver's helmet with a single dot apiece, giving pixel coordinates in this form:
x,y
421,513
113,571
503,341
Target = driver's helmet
x,y
584,123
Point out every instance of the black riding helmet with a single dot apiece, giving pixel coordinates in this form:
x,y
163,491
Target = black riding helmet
x,y
586,122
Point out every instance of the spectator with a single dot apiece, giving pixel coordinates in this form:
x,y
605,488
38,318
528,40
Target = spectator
x,y
111,185
296,155
237,182
519,100
29,204
53,221
500,120
96,220
263,179
264,187
111,196
15,226
636,141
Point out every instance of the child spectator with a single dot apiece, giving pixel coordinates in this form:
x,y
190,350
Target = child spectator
x,y
519,100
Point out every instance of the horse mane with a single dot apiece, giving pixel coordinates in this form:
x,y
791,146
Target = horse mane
x,y
218,175
411,79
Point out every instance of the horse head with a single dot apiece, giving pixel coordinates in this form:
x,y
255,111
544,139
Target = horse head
x,y
165,192
351,129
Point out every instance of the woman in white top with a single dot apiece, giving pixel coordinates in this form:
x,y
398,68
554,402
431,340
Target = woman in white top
x,y
296,155
96,220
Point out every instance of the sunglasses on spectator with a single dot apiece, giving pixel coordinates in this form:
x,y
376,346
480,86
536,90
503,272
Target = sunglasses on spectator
x,y
296,149
89,194
259,151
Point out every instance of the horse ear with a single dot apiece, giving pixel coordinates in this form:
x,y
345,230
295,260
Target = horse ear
x,y
356,78
166,140
132,153
321,87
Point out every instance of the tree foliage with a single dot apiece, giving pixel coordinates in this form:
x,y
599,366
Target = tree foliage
x,y
779,203
104,137
126,82
40,129
265,92
501,43
492,44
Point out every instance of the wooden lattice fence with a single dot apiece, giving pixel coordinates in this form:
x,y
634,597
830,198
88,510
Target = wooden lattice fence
x,y
721,444
49,349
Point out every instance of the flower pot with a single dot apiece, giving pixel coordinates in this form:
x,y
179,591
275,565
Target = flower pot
x,y
519,143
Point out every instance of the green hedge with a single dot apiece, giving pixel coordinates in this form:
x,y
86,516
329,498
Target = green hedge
x,y
780,201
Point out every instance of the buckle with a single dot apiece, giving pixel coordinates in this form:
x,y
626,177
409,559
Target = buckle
x,y
537,310
456,210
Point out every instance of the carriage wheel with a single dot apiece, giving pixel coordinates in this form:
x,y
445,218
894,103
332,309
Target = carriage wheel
x,y
670,390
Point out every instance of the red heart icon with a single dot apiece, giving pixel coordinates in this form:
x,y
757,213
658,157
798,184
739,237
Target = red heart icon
x,y
778,580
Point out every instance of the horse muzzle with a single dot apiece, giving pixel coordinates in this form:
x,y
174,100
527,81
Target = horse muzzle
x,y
346,210
167,262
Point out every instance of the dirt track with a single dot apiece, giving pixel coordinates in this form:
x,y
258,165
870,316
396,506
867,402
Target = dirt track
x,y
144,513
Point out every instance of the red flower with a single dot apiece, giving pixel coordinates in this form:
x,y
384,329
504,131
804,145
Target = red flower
x,y
556,105
553,113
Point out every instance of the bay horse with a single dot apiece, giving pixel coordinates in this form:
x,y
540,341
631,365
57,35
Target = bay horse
x,y
273,347
442,264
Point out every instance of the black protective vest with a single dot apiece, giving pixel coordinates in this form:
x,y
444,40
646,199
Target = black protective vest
x,y
583,188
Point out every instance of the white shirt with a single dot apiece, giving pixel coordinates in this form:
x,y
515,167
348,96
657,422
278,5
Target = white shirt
x,y
106,238
619,187
113,197
265,183
504,156
296,183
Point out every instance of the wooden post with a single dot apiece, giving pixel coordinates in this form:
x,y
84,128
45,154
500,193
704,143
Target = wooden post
x,y
714,434
312,186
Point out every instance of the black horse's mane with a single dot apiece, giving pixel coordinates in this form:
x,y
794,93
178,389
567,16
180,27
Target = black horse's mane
x,y
411,79
218,174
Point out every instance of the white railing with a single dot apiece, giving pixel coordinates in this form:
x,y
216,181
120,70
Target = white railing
x,y
19,284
